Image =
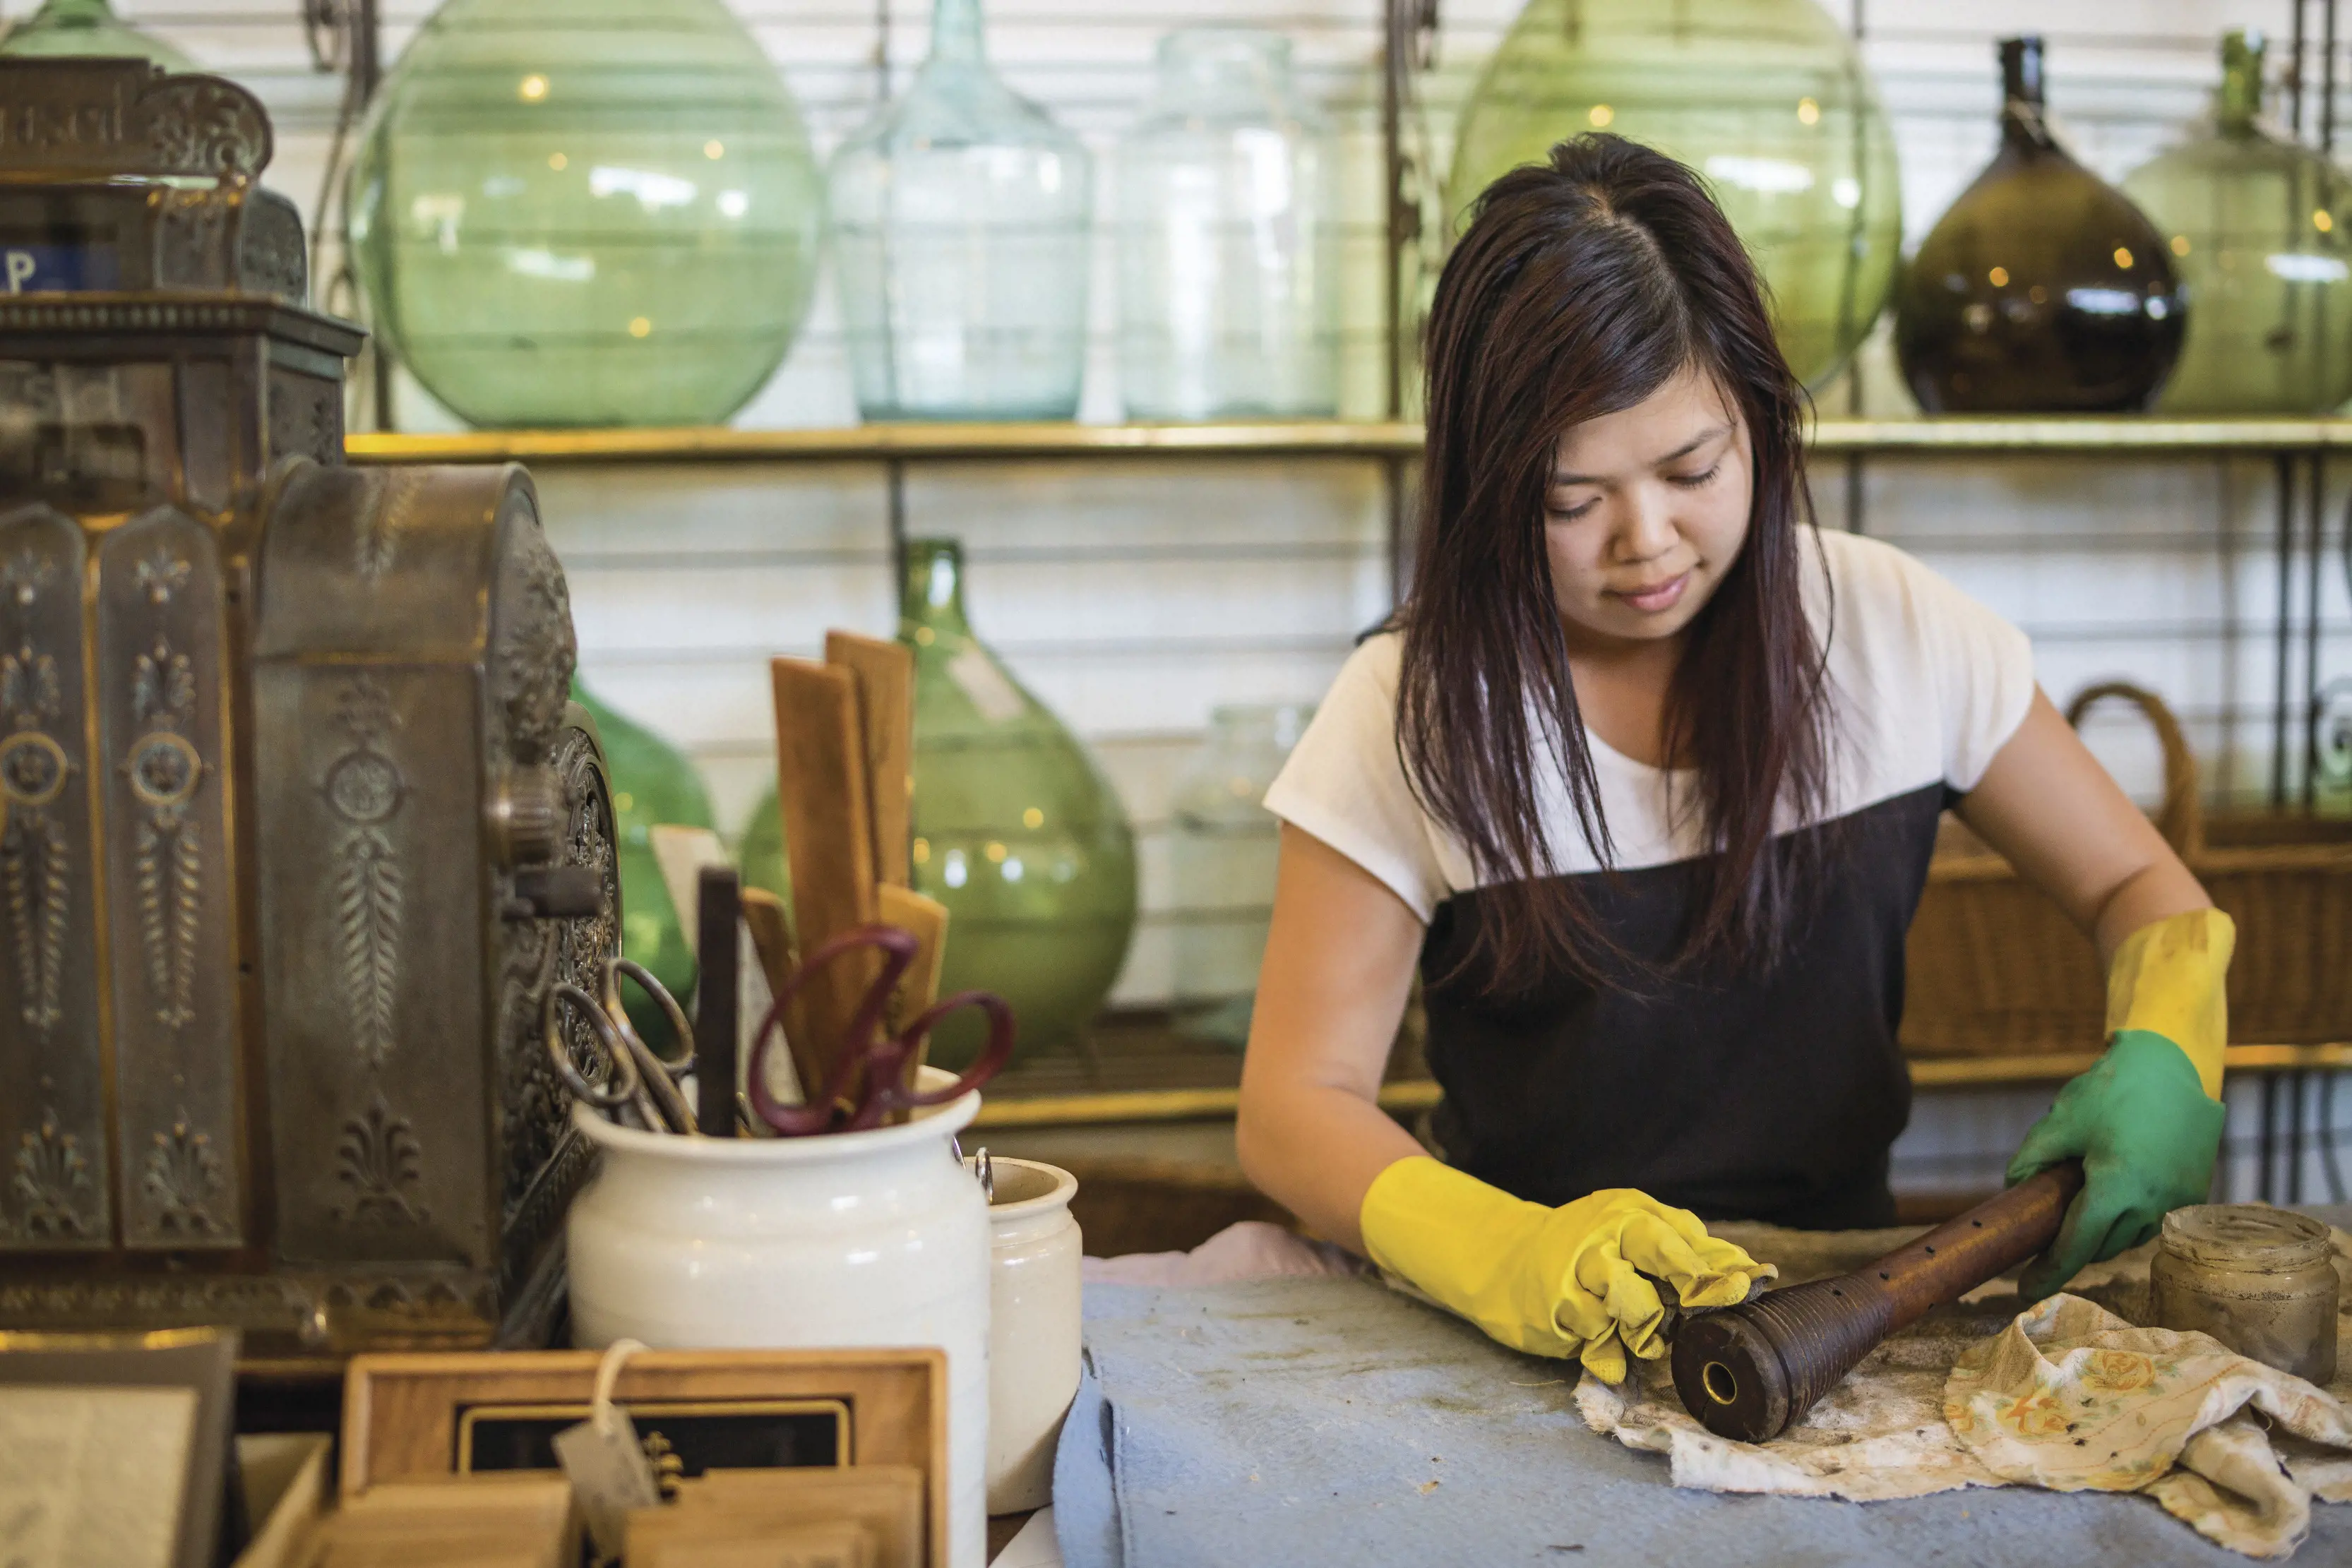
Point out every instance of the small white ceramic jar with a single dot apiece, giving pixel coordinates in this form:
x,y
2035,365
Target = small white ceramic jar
x,y
1033,1336
847,1238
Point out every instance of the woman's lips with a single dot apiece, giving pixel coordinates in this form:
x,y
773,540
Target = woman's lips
x,y
1654,600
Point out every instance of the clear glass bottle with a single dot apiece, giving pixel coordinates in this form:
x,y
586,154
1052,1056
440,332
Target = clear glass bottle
x,y
88,28
654,784
961,226
1767,99
2042,290
586,212
1225,845
1228,258
2261,233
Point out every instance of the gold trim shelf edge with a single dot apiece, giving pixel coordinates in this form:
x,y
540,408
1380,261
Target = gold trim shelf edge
x,y
1412,1095
1307,438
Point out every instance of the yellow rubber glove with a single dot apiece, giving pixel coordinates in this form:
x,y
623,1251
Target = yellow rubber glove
x,y
2167,979
1564,1281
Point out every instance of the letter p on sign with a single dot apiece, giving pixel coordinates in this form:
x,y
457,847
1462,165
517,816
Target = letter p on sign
x,y
18,264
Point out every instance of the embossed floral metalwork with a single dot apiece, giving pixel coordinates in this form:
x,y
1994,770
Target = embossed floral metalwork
x,y
364,788
181,1175
52,1181
165,769
34,851
381,1161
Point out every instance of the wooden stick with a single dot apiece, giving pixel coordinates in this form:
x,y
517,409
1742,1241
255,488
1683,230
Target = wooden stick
x,y
926,920
886,708
718,917
772,940
829,838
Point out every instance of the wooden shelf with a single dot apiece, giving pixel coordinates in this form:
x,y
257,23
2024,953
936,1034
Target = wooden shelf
x,y
1304,438
1412,1097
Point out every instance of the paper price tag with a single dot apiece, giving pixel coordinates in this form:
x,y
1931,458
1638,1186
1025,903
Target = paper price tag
x,y
610,1475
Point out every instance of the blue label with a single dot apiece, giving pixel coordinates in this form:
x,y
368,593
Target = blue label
x,y
58,268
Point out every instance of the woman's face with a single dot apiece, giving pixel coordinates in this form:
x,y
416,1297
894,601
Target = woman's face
x,y
1647,512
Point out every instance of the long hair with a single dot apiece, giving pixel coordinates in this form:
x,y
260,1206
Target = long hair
x,y
1581,287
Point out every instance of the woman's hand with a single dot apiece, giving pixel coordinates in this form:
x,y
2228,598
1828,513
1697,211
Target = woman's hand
x,y
1579,1280
2146,1120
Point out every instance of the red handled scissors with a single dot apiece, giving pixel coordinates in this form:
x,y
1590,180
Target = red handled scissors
x,y
868,1083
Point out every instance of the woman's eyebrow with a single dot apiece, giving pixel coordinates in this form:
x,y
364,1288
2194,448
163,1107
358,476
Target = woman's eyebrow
x,y
1684,450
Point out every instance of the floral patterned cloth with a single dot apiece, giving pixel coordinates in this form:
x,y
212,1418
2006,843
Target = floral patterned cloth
x,y
2236,1449
2072,1398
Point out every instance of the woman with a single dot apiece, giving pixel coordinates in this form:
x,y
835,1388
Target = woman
x,y
1646,776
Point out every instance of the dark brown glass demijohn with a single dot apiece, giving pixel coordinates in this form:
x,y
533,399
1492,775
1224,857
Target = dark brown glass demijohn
x,y
2042,290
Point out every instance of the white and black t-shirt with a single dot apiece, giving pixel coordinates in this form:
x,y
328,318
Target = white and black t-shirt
x,y
1770,1095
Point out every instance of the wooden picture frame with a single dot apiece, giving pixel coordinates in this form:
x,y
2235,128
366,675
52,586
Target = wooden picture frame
x,y
195,1367
410,1417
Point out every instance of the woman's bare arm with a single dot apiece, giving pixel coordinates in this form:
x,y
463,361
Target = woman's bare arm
x,y
1339,967
2070,831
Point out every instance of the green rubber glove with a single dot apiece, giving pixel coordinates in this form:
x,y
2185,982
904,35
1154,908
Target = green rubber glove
x,y
2146,1134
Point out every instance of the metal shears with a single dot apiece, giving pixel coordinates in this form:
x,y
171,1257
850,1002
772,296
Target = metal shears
x,y
868,1083
641,1088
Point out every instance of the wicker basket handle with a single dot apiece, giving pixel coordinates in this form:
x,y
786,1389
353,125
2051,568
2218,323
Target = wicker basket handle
x,y
2181,817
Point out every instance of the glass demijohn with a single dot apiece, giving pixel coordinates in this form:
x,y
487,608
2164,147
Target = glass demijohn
x,y
586,212
88,28
1016,830
1767,98
1225,846
2042,289
1228,260
654,784
2256,225
962,225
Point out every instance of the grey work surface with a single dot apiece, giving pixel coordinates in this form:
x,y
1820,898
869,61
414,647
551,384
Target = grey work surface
x,y
1328,1420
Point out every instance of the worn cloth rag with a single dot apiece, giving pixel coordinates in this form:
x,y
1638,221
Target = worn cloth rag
x,y
2069,1396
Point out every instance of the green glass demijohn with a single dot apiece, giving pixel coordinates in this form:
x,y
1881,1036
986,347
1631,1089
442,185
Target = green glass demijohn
x,y
961,240
586,212
1016,830
2042,289
2257,228
654,784
1767,98
88,28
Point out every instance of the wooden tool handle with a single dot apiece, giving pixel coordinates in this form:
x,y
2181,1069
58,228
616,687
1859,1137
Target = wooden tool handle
x,y
1749,1372
1986,1241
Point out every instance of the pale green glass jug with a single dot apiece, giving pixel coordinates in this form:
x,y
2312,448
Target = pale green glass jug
x,y
1016,830
1767,98
89,27
2257,228
586,212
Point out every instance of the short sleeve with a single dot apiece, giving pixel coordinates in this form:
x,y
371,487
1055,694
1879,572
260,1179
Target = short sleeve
x,y
1345,783
1981,668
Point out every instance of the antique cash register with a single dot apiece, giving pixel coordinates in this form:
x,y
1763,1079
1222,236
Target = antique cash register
x,y
299,827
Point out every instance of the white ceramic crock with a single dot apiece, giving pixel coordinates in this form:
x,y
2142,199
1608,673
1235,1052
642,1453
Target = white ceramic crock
x,y
850,1239
1032,1334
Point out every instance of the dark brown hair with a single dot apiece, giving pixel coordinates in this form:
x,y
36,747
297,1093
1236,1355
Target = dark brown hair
x,y
1581,287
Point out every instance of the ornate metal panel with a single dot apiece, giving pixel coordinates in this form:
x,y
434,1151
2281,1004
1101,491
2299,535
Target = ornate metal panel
x,y
171,896
52,1137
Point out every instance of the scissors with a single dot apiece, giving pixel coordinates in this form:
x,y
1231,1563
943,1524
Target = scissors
x,y
641,1088
868,1083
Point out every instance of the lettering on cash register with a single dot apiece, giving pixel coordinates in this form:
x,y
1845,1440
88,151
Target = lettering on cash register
x,y
55,264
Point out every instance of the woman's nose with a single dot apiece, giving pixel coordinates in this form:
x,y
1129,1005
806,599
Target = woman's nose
x,y
1645,529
